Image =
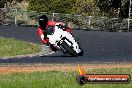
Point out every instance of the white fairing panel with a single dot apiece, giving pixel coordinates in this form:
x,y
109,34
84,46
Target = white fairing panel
x,y
56,36
59,34
75,45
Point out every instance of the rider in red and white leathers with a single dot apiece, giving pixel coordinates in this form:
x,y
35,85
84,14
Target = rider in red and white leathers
x,y
44,24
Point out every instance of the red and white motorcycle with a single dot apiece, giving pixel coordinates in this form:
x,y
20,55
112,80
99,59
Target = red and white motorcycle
x,y
64,41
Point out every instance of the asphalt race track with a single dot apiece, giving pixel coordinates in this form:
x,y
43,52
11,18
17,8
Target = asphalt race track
x,y
98,46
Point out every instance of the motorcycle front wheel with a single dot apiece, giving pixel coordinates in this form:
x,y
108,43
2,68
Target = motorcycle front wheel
x,y
81,53
68,49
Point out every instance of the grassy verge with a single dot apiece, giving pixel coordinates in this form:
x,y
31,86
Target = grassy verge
x,y
58,79
12,47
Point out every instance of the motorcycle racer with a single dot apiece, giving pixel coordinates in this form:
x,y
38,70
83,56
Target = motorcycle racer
x,y
44,25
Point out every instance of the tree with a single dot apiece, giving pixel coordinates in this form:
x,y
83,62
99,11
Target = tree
x,y
114,8
2,3
38,5
58,6
86,7
124,11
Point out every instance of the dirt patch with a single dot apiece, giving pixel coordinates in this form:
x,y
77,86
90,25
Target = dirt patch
x,y
6,69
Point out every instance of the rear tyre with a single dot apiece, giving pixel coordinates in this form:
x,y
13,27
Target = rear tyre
x,y
68,49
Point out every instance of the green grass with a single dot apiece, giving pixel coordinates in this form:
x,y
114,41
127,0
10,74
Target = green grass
x,y
58,79
12,47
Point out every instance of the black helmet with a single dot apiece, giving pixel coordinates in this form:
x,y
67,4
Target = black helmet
x,y
43,20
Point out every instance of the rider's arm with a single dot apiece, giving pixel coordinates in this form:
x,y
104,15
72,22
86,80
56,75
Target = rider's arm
x,y
66,28
60,23
41,35
53,23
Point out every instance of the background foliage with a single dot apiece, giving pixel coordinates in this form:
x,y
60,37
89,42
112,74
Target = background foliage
x,y
109,8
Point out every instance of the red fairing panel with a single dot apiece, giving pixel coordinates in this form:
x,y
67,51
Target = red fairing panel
x,y
53,23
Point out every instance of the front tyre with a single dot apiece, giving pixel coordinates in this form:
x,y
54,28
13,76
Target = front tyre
x,y
80,53
68,49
